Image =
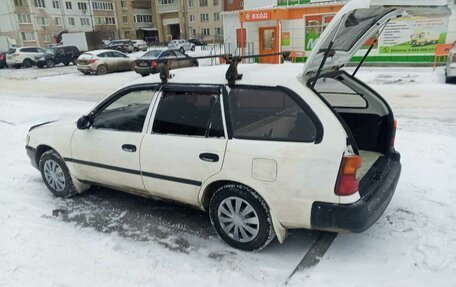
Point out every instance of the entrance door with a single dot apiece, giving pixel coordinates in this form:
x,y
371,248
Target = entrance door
x,y
269,43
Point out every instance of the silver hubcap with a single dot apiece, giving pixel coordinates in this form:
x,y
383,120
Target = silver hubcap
x,y
54,175
238,219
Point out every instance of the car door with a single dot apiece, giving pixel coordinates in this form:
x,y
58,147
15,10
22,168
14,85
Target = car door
x,y
122,61
109,60
182,62
185,144
107,153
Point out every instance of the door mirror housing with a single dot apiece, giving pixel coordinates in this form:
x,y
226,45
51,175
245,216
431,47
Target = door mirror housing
x,y
84,123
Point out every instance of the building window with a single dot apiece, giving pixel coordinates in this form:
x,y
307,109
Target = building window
x,y
218,31
216,2
216,16
40,4
71,21
205,32
47,38
58,21
143,18
193,32
192,18
56,4
191,3
24,19
68,5
97,5
85,21
127,34
41,21
123,5
167,2
82,6
203,3
21,3
105,21
28,36
204,17
125,19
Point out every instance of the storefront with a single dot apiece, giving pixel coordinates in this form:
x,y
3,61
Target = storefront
x,y
297,27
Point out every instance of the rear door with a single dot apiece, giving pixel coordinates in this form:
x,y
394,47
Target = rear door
x,y
185,144
183,60
356,22
122,61
109,60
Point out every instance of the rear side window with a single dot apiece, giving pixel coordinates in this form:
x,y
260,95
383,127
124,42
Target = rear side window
x,y
339,95
189,114
269,114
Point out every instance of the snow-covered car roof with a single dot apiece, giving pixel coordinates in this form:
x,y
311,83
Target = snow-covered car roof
x,y
98,52
253,74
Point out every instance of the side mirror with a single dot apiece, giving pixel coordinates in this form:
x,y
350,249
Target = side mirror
x,y
84,123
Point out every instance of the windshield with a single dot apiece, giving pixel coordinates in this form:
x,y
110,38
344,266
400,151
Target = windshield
x,y
50,51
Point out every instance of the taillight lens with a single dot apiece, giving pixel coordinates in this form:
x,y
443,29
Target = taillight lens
x,y
347,184
393,134
153,64
2,57
91,61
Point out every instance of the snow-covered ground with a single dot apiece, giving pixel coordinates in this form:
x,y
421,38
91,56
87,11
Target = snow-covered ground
x,y
109,238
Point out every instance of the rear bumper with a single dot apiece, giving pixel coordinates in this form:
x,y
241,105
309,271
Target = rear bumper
x,y
145,70
359,216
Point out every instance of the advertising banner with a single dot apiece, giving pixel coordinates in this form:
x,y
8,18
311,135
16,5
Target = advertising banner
x,y
413,36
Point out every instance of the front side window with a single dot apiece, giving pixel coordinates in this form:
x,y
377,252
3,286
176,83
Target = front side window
x,y
127,113
189,114
269,114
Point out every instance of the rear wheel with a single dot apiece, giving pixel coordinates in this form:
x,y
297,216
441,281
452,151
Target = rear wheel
x,y
101,70
241,217
56,175
27,63
66,63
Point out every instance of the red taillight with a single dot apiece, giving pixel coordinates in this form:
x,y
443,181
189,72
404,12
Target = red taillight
x,y
347,184
2,57
393,134
153,64
91,61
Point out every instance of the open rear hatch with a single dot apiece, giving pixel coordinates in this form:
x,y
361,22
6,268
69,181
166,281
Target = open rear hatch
x,y
365,115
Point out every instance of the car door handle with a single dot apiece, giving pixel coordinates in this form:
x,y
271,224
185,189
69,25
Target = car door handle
x,y
129,147
210,157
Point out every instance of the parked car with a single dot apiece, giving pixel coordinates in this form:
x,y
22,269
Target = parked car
x,y
125,46
57,55
152,61
104,61
197,42
3,60
310,148
181,45
450,70
23,56
139,45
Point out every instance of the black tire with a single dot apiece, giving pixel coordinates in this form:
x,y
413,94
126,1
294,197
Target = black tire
x,y
17,66
66,63
102,70
144,75
40,66
27,63
51,158
50,63
264,229
85,73
195,63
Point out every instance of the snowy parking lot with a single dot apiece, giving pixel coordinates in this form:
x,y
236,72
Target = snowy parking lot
x,y
108,238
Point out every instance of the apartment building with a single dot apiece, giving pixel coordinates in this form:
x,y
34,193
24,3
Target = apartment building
x,y
125,20
203,19
170,19
41,22
233,5
144,16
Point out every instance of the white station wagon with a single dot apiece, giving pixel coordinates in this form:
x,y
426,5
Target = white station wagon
x,y
279,149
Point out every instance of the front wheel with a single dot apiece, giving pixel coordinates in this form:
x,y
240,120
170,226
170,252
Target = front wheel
x,y
55,174
27,63
241,217
50,63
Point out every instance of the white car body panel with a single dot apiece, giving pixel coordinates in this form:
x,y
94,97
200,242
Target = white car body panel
x,y
451,65
22,55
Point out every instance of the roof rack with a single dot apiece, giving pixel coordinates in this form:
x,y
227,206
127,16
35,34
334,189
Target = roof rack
x,y
231,75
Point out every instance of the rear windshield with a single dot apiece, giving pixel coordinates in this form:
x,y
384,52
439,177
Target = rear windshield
x,y
355,25
339,95
11,51
152,54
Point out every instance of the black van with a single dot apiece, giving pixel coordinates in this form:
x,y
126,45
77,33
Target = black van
x,y
58,54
